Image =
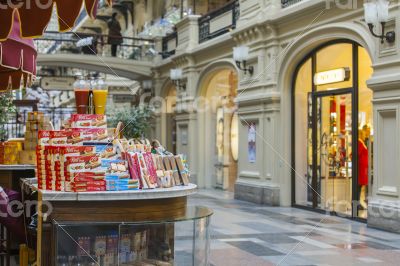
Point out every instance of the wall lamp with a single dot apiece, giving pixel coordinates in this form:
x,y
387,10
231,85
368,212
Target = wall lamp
x,y
241,56
147,86
378,12
176,76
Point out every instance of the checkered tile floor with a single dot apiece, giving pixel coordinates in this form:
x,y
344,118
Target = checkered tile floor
x,y
248,234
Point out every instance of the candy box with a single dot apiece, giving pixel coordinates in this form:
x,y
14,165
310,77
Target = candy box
x,y
96,183
146,169
68,151
107,152
100,245
122,184
90,189
89,163
92,134
88,177
182,170
127,187
117,168
88,121
65,137
43,137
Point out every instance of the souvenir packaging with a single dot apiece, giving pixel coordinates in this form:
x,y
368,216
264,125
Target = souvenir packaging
x,y
134,168
107,152
145,172
182,170
88,121
90,189
43,137
65,137
167,163
76,164
125,248
88,177
100,245
175,174
148,158
91,134
117,168
165,179
68,151
83,246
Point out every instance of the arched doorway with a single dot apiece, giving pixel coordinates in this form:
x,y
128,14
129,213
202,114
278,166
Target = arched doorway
x,y
333,129
169,119
220,119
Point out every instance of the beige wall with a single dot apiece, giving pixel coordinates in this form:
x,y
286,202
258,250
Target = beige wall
x,y
279,39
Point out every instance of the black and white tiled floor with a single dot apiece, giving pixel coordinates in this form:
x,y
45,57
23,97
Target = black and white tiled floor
x,y
249,234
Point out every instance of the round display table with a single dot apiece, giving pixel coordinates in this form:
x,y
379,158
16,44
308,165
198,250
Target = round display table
x,y
143,227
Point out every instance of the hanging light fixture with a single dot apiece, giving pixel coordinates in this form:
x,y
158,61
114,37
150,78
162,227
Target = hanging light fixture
x,y
377,12
241,56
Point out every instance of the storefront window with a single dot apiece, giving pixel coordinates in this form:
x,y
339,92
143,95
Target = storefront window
x,y
328,130
333,58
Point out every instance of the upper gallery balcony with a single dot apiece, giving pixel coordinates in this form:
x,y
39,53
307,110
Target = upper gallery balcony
x,y
287,3
132,58
209,26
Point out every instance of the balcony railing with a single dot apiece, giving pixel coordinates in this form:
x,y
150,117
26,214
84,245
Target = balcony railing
x,y
219,22
169,44
94,44
16,125
286,3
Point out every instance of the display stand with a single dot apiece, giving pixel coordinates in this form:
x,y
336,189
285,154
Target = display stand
x,y
10,175
147,225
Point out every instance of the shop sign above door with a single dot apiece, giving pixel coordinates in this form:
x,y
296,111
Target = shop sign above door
x,y
332,76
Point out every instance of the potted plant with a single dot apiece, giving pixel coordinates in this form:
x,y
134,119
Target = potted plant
x,y
6,107
136,121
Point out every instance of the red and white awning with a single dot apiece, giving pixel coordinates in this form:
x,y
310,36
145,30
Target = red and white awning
x,y
35,15
17,60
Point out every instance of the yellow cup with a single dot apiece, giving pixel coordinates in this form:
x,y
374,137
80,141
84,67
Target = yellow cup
x,y
100,101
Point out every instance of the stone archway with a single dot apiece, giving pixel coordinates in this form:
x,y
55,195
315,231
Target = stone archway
x,y
217,88
168,116
293,57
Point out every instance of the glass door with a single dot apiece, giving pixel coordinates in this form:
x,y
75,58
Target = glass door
x,y
333,157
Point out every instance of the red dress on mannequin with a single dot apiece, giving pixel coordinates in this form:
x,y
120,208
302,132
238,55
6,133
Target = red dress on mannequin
x,y
362,163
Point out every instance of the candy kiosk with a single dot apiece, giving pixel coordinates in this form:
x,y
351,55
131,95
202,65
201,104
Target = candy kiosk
x,y
106,200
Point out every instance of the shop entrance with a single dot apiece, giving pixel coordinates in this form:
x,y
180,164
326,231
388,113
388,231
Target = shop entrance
x,y
332,111
219,114
331,184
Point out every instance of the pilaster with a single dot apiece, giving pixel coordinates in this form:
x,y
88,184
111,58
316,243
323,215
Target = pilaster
x,y
384,201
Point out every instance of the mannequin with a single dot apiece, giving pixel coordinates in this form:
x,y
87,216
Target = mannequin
x,y
362,168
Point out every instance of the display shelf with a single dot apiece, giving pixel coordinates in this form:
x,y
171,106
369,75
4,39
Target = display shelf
x,y
180,241
158,193
17,167
176,234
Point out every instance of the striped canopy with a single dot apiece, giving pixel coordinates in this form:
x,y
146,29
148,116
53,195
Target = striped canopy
x,y
35,15
17,60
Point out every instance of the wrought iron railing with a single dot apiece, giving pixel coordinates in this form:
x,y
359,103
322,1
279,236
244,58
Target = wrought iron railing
x,y
205,31
286,3
166,51
130,48
15,128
